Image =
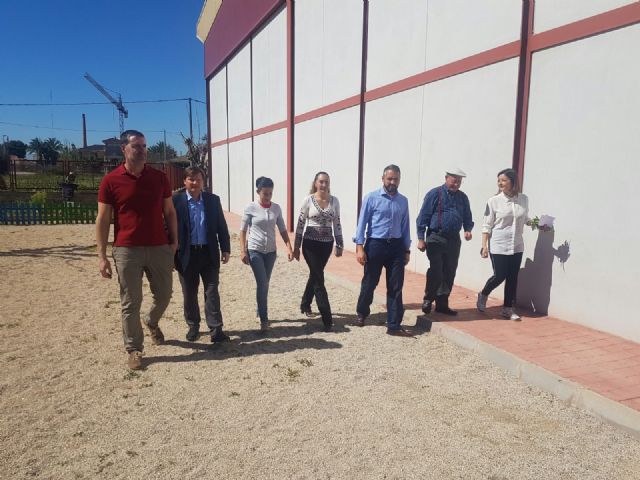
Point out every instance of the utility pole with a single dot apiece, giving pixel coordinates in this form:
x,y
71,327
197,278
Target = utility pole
x,y
164,148
190,121
84,131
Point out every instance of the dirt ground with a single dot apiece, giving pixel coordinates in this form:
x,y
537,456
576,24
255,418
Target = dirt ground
x,y
296,403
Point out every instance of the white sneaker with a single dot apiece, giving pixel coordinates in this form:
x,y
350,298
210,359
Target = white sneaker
x,y
509,312
481,304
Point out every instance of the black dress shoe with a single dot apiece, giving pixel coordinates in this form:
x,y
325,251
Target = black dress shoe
x,y
219,336
426,308
446,311
307,312
193,333
359,321
399,333
327,327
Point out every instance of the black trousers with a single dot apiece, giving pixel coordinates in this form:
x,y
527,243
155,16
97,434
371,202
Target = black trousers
x,y
443,263
505,269
317,255
201,266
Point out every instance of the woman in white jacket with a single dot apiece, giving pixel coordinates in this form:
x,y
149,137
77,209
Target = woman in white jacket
x,y
505,216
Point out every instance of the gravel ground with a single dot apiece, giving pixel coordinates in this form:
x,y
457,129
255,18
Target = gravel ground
x,y
296,403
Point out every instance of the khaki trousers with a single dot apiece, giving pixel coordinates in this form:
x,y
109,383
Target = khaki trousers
x,y
131,263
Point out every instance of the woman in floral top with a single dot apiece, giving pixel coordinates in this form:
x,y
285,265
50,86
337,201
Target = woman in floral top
x,y
320,213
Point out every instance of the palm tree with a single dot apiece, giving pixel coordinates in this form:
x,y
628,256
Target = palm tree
x,y
36,145
53,147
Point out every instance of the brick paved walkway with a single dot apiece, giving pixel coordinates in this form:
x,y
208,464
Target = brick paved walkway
x,y
598,361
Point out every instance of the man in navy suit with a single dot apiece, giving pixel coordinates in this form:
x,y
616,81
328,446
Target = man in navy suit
x,y
202,235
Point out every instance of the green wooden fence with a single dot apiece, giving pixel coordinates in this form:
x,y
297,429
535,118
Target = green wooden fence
x,y
47,214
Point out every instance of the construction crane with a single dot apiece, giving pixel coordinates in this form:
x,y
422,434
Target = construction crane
x,y
123,113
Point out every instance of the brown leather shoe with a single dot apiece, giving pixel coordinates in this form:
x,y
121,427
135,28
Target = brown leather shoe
x,y
359,321
399,333
157,337
134,362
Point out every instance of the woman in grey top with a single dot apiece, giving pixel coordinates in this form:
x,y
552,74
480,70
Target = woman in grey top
x,y
259,250
320,213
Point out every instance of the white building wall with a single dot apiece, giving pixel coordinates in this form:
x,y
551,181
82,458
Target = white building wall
x,y
270,160
270,73
582,130
397,40
218,105
340,133
328,52
308,55
342,50
308,154
330,144
468,122
393,133
581,167
239,91
241,191
220,174
460,28
553,13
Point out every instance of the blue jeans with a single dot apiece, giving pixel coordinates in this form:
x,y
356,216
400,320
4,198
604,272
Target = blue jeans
x,y
390,255
262,265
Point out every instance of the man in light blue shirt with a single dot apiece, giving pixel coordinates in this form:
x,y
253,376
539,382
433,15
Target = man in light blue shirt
x,y
383,239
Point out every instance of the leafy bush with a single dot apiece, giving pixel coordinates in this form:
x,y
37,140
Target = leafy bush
x,y
39,198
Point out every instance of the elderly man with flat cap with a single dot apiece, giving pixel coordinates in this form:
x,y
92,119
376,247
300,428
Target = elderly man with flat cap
x,y
445,210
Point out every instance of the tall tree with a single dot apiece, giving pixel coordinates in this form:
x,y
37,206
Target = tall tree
x,y
17,148
36,146
197,152
69,152
156,152
52,150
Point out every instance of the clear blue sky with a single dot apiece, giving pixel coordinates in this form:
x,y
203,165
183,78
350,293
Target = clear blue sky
x,y
145,50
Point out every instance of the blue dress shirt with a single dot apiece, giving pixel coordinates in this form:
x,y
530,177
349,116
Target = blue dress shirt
x,y
197,220
455,212
384,216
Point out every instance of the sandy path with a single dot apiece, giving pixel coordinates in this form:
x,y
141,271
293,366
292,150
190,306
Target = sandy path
x,y
298,403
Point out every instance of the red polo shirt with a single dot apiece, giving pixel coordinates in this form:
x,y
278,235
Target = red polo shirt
x,y
138,204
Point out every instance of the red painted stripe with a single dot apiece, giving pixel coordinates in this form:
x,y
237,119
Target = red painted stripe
x,y
603,22
482,59
237,138
270,128
504,52
252,133
331,108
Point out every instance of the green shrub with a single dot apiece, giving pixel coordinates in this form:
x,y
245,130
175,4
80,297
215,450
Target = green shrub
x,y
39,198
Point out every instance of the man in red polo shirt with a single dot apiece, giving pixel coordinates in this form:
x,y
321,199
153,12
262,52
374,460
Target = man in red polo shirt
x,y
139,198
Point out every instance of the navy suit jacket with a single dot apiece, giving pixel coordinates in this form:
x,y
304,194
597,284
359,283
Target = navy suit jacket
x,y
217,231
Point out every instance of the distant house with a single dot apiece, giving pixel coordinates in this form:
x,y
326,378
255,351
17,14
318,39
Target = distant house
x,y
108,152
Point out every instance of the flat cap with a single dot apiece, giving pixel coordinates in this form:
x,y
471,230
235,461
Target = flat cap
x,y
456,172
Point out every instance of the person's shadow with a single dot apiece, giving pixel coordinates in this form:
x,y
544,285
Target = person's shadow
x,y
535,279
